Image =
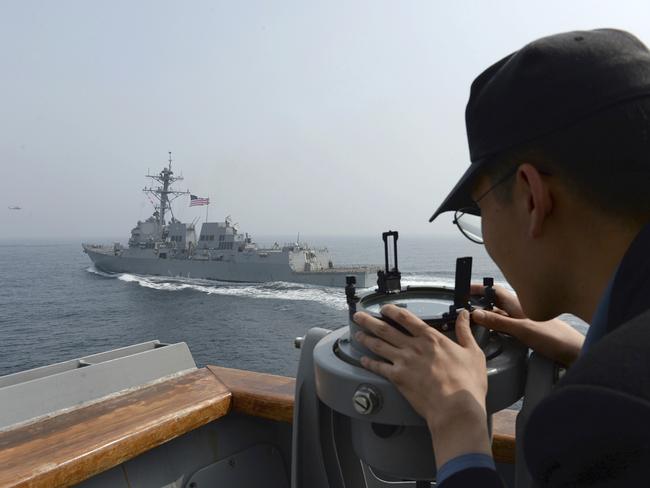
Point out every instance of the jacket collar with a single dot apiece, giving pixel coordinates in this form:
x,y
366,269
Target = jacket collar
x,y
630,294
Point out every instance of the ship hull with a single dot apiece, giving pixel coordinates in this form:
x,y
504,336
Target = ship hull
x,y
233,271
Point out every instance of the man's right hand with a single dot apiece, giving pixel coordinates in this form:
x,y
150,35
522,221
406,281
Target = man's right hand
x,y
554,339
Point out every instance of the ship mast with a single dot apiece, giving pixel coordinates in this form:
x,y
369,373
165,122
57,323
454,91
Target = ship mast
x,y
164,194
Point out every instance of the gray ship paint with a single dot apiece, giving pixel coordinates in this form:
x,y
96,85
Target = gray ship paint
x,y
221,252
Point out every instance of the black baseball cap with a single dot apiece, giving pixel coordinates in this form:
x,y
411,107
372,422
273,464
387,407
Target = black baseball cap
x,y
546,86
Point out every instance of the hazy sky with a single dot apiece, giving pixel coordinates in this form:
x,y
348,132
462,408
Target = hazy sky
x,y
331,117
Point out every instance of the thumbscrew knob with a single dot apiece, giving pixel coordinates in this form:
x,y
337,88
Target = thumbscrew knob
x,y
366,400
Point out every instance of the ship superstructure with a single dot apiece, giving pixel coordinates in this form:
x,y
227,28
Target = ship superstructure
x,y
219,251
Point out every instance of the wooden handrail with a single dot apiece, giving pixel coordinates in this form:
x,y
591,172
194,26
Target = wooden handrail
x,y
70,447
259,394
503,436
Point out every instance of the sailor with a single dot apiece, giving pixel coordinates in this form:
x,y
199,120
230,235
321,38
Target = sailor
x,y
559,139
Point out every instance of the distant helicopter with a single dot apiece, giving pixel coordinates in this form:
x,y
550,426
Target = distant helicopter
x,y
15,208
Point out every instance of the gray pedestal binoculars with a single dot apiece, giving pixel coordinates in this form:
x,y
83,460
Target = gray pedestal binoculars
x,y
352,426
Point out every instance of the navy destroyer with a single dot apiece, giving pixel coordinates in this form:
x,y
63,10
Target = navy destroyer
x,y
219,252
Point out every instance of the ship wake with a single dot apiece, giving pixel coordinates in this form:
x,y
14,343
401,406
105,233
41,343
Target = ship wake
x,y
278,290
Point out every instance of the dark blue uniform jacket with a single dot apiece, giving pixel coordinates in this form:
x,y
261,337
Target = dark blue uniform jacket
x,y
594,429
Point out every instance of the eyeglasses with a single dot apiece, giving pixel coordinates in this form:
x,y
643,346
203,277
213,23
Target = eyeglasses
x,y
468,219
469,224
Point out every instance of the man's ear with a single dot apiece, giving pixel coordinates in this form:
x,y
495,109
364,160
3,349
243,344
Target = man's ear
x,y
537,195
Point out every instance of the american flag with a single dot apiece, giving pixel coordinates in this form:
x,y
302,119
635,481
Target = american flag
x,y
196,201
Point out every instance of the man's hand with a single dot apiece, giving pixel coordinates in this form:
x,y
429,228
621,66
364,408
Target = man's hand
x,y
444,381
554,339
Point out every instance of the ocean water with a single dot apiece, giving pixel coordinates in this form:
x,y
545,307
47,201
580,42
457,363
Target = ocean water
x,y
55,306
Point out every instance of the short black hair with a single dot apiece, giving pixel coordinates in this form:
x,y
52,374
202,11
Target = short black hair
x,y
605,159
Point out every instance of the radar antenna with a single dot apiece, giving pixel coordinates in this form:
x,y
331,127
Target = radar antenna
x,y
164,194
